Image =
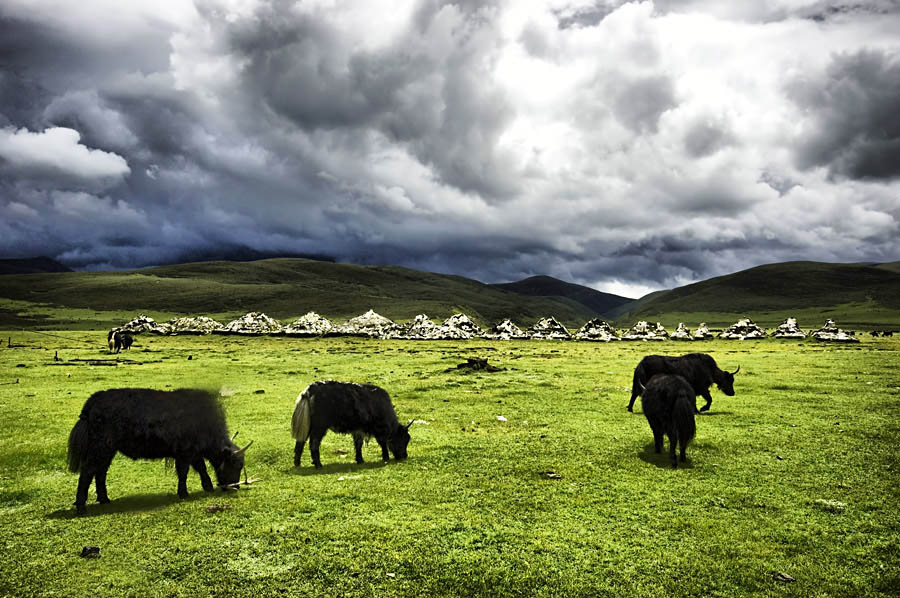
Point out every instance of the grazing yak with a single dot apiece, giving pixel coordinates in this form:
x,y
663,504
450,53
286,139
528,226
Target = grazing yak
x,y
118,340
187,425
363,410
668,404
699,369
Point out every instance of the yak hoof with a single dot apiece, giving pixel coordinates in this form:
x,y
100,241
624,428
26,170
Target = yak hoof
x,y
704,408
80,509
103,501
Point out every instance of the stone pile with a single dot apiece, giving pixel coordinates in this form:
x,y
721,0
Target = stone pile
x,y
743,329
702,332
643,332
789,329
420,328
253,323
547,329
460,323
194,325
830,332
369,324
597,330
310,324
143,324
682,333
505,331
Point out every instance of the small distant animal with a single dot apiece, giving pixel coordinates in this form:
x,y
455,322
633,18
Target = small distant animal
x,y
118,340
362,410
699,369
668,405
187,425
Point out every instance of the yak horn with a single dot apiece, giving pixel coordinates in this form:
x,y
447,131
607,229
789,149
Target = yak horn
x,y
643,388
241,451
410,423
235,436
736,371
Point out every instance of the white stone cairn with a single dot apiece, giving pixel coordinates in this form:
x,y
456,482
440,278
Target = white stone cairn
x,y
743,329
504,331
143,324
369,324
831,333
789,329
460,323
682,333
643,332
549,329
194,325
702,332
597,330
309,324
252,324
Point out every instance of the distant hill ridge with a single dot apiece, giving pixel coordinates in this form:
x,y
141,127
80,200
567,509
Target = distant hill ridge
x,y
546,286
856,295
31,265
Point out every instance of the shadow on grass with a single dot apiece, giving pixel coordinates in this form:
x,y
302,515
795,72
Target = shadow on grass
x,y
307,469
661,460
129,504
710,413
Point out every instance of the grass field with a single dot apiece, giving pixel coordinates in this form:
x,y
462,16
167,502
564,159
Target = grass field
x,y
796,474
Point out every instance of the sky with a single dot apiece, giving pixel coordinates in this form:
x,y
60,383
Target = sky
x,y
626,146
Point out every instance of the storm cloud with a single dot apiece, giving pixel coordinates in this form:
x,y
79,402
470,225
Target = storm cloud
x,y
629,146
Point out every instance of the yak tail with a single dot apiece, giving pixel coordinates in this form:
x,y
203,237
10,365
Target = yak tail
x,y
683,417
300,420
637,382
78,445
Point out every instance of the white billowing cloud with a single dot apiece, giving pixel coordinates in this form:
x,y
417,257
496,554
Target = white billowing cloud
x,y
57,154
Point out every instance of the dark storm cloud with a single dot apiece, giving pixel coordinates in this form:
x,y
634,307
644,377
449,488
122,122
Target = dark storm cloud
x,y
854,106
440,106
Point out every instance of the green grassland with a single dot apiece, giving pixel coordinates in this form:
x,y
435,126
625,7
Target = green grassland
x,y
796,474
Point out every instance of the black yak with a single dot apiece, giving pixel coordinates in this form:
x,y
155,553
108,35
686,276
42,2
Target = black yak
x,y
668,404
699,369
363,410
118,340
187,425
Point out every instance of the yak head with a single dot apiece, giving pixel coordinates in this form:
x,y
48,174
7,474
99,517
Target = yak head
x,y
398,441
725,383
231,463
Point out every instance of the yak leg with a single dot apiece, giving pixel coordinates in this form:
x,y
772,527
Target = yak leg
x,y
683,445
200,467
705,394
634,395
314,441
657,434
383,443
673,442
298,452
358,438
182,466
84,484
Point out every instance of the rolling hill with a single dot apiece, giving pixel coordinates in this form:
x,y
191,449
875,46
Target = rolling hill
x,y
283,288
598,302
854,294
